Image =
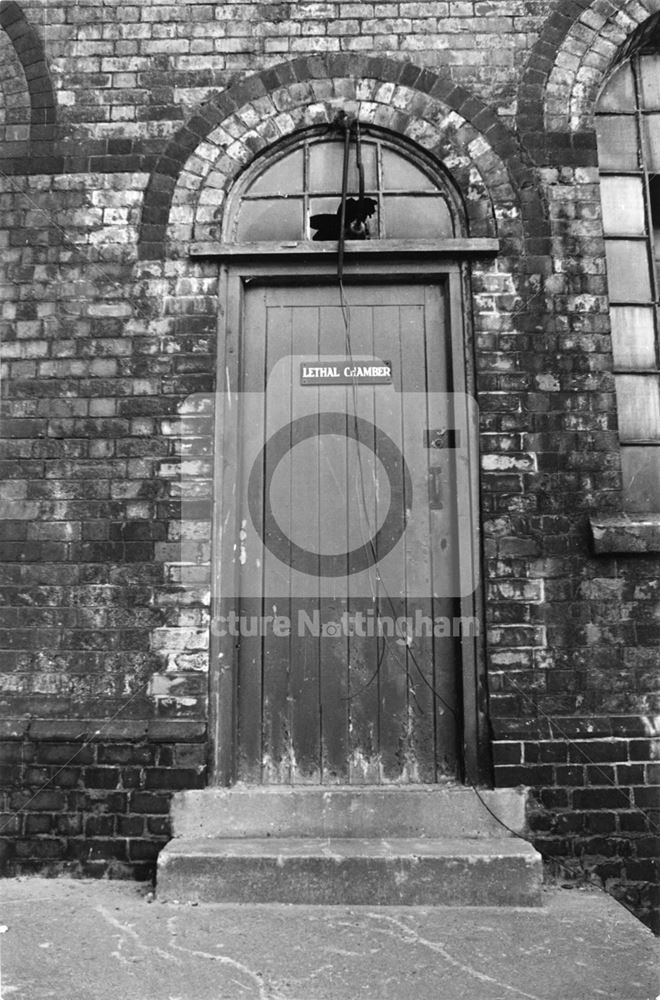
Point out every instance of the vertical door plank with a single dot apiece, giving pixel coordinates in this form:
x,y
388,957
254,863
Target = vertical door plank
x,y
418,416
278,750
363,588
305,665
224,666
396,693
334,507
248,546
444,537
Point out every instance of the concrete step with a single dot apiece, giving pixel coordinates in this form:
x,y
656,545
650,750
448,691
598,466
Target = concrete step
x,y
343,811
444,871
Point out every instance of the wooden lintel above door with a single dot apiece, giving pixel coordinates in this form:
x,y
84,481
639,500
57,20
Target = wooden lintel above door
x,y
462,247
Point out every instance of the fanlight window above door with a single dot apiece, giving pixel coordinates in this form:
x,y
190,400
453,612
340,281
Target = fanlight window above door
x,y
298,195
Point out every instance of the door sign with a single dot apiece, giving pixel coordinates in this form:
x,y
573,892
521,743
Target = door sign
x,y
345,372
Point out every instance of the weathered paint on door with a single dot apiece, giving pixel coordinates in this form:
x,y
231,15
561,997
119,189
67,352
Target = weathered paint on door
x,y
328,699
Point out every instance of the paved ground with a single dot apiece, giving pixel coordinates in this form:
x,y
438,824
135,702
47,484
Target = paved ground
x,y
92,940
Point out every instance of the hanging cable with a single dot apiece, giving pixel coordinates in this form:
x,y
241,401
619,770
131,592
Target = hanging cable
x,y
358,226
353,217
345,123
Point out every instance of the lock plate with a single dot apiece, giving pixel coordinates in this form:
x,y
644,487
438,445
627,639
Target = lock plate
x,y
439,438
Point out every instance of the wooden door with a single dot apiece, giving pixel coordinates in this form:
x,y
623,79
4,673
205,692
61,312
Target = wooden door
x,y
346,568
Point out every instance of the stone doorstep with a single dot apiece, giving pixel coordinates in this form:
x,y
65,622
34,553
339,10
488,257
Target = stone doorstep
x,y
351,871
349,811
378,845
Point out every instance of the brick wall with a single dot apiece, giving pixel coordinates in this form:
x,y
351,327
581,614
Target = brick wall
x,y
595,813
118,121
93,801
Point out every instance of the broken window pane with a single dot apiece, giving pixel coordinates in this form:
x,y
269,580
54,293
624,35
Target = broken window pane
x,y
361,220
654,195
298,195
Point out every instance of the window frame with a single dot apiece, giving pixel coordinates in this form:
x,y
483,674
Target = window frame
x,y
636,500
445,188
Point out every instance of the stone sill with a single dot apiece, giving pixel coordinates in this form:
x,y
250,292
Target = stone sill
x,y
629,533
97,730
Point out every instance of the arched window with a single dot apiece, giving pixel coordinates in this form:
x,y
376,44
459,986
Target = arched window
x,y
295,193
628,129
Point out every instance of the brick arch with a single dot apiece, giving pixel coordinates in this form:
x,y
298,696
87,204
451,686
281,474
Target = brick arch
x,y
186,191
36,86
14,96
584,61
568,63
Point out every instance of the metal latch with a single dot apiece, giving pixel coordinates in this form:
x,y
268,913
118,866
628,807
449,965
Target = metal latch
x,y
435,488
442,438
439,439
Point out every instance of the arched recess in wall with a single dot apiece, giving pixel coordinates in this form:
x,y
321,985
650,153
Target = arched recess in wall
x,y
14,98
575,99
29,111
185,195
569,62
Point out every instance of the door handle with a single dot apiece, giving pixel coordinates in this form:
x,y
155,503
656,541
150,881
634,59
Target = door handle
x,y
435,487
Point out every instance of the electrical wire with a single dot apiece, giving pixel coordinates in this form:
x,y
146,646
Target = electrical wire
x,y
548,858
